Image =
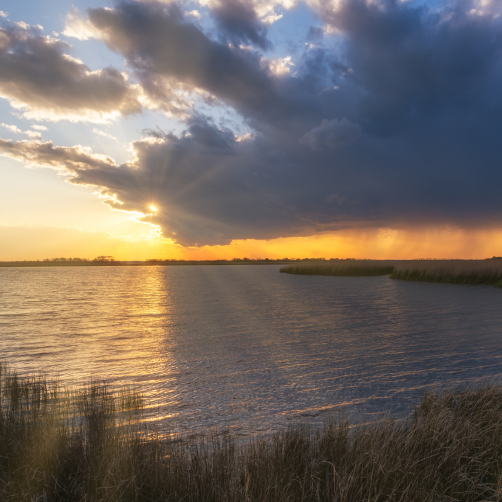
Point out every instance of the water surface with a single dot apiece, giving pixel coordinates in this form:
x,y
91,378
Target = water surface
x,y
246,349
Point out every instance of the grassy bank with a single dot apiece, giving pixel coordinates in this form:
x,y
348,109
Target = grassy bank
x,y
62,444
342,268
487,272
453,271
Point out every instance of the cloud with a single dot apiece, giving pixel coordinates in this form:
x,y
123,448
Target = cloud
x,y
331,134
167,52
268,12
410,63
38,77
336,198
69,159
16,130
78,26
193,13
104,134
278,66
238,23
399,124
208,187
315,34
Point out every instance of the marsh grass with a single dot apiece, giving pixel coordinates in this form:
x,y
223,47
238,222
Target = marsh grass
x,y
84,444
342,268
453,271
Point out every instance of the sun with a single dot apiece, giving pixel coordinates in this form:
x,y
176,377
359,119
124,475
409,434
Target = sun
x,y
153,208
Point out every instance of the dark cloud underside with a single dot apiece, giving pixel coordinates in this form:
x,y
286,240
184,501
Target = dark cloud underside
x,y
402,126
238,23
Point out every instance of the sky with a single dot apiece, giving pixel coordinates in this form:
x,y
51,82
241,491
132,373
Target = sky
x,y
213,129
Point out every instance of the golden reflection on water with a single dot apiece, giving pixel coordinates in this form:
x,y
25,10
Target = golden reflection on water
x,y
246,348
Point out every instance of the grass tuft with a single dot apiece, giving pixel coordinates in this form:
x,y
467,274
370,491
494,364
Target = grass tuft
x,y
80,444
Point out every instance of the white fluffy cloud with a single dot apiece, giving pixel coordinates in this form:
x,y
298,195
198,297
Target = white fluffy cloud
x,y
16,130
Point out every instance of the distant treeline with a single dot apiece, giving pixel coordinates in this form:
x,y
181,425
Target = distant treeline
x,y
64,262
242,260
111,261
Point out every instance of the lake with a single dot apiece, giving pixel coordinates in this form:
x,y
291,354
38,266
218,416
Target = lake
x,y
245,349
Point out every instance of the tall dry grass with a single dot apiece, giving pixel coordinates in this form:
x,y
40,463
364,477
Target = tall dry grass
x,y
341,268
454,271
62,444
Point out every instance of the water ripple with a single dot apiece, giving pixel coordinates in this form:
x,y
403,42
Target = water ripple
x,y
246,349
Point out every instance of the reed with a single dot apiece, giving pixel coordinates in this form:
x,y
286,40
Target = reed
x,y
84,444
453,271
342,268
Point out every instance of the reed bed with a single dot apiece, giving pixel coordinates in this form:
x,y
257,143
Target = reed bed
x,y
64,444
453,271
342,268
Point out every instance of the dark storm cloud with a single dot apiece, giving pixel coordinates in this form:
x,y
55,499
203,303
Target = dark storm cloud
x,y
37,75
411,63
166,51
211,188
238,23
208,188
402,126
331,134
160,44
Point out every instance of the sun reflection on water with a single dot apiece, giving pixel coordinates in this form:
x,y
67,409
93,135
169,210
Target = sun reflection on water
x,y
245,348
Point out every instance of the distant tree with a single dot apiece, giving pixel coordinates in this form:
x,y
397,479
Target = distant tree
x,y
104,259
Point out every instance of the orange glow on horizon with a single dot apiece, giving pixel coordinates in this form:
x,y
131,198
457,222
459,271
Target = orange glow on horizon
x,y
372,243
32,243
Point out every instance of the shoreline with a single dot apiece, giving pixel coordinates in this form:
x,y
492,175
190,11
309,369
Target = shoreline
x,y
474,272
32,264
87,443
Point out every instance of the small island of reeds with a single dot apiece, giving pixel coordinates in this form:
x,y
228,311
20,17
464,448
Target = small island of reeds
x,y
451,271
347,267
488,272
87,443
